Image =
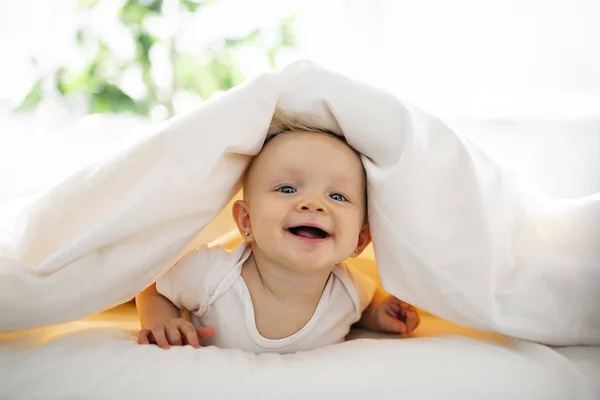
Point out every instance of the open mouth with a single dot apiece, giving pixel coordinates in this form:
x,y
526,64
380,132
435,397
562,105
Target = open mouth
x,y
308,232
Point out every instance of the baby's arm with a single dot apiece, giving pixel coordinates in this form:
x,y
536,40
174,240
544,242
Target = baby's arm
x,y
162,324
154,308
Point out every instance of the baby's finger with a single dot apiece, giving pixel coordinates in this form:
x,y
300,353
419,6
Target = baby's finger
x,y
412,321
188,331
393,325
144,336
417,320
160,337
397,308
151,338
173,335
205,332
398,314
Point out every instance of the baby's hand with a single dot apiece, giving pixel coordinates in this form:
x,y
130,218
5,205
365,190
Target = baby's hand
x,y
392,315
176,332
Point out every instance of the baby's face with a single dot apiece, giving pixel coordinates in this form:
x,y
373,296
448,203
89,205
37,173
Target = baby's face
x,y
306,201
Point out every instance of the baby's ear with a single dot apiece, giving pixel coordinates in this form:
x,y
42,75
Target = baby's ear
x,y
364,239
241,216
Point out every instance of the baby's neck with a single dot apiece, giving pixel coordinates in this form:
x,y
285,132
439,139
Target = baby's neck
x,y
287,285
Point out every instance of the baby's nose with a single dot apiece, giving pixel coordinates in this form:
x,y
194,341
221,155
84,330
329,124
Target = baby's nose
x,y
312,206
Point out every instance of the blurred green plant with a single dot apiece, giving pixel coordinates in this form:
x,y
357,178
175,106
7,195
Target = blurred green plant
x,y
215,67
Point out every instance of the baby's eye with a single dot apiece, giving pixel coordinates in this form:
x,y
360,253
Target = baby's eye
x,y
287,190
337,197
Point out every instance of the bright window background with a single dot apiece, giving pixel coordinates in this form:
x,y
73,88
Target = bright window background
x,y
518,76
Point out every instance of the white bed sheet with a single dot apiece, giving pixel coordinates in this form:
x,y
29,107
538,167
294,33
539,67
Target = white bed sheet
x,y
98,358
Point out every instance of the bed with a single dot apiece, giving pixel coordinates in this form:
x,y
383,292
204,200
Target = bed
x,y
98,358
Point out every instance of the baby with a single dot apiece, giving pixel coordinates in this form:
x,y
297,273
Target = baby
x,y
285,289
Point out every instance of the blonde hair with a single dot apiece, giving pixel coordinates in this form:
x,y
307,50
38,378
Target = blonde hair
x,y
283,122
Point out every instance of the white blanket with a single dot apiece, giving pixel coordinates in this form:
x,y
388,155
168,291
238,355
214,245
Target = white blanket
x,y
454,232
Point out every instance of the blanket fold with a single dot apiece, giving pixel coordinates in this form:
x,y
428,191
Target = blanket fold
x,y
455,232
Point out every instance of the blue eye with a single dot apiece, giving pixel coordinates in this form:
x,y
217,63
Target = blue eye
x,y
337,197
287,190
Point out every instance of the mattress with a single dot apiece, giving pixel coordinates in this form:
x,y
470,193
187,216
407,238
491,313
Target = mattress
x,y
98,358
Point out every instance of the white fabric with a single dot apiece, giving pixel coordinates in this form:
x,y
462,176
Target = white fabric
x,y
76,362
208,282
455,233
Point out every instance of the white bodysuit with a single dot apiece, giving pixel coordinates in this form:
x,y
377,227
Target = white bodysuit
x,y
208,283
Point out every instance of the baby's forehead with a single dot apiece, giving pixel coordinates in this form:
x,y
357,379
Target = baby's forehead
x,y
292,147
300,140
307,152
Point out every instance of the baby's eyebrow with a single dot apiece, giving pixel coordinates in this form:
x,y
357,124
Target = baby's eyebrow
x,y
280,177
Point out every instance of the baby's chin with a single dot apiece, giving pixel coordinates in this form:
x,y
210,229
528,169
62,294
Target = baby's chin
x,y
313,263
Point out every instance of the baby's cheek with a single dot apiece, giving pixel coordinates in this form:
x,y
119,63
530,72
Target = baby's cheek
x,y
263,219
348,245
